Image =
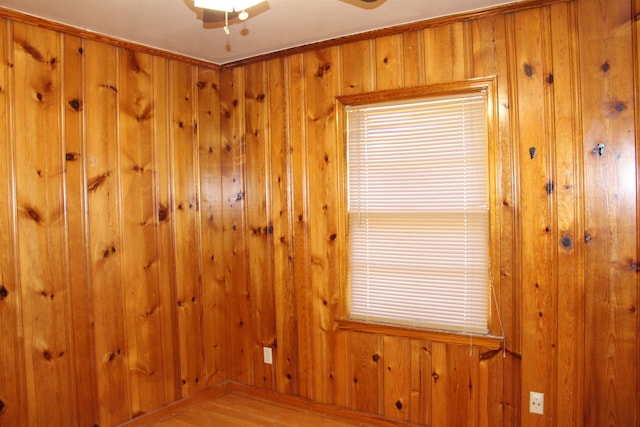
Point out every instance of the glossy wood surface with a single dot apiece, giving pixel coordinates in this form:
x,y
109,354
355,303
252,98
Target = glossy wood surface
x,y
232,404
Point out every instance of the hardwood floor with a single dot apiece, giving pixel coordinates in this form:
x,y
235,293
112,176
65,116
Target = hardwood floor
x,y
235,406
240,410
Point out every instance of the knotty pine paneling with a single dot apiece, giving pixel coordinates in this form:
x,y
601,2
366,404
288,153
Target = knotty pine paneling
x,y
13,405
610,195
102,297
542,269
211,207
40,227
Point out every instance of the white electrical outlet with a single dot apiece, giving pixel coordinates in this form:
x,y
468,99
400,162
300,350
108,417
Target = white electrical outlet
x,y
268,355
536,402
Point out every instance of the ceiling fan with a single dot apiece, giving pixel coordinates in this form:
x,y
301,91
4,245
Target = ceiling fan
x,y
217,11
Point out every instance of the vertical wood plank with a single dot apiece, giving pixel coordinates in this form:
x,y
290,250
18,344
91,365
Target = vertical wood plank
x,y
13,394
636,65
611,193
103,200
567,151
389,62
213,257
413,58
357,68
165,239
186,223
366,365
454,381
259,221
397,378
498,374
235,244
445,56
41,227
539,313
139,246
286,323
77,231
328,345
420,383
299,177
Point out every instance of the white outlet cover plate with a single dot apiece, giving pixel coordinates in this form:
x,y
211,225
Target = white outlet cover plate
x,y
536,402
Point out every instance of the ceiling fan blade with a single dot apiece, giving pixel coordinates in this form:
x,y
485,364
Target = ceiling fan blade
x,y
365,4
210,16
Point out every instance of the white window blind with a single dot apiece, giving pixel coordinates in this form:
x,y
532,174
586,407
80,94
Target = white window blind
x,y
418,213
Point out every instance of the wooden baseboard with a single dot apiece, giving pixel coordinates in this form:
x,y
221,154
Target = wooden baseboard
x,y
266,395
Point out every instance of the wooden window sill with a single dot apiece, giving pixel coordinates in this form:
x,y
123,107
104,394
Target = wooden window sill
x,y
490,342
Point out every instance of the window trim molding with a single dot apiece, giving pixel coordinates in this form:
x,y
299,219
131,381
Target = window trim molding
x,y
489,86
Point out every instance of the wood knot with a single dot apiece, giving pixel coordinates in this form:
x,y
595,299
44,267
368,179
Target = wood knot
x,y
323,69
75,104
2,406
34,214
550,79
528,70
606,67
435,376
333,236
110,87
35,53
163,212
72,157
549,187
260,97
108,251
398,404
588,238
375,358
201,85
4,292
566,241
97,181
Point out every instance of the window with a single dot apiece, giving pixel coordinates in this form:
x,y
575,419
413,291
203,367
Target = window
x,y
418,208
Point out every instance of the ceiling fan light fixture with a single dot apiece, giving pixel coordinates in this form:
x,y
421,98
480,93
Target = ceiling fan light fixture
x,y
226,5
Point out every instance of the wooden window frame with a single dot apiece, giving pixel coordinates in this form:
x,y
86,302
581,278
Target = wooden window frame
x,y
494,338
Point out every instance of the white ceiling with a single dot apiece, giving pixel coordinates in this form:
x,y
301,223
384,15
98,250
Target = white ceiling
x,y
176,25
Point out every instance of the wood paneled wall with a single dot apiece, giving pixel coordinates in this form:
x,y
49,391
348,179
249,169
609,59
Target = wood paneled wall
x,y
111,263
567,220
161,222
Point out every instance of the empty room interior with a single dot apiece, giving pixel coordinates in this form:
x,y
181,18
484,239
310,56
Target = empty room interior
x,y
332,212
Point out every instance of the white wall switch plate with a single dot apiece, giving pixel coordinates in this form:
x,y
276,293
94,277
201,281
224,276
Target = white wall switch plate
x,y
268,355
